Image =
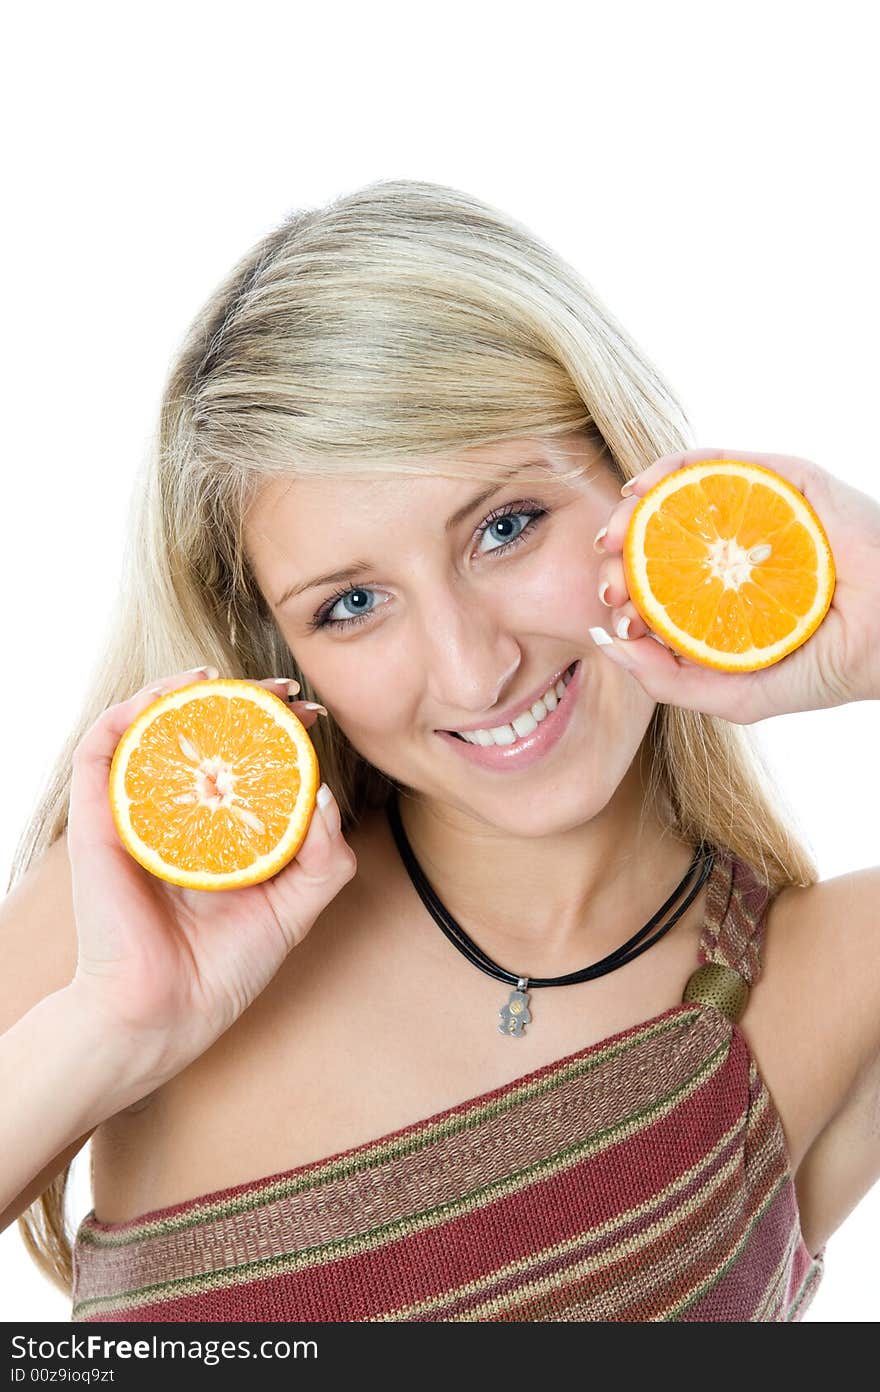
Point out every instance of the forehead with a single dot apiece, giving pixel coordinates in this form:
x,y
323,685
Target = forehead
x,y
298,506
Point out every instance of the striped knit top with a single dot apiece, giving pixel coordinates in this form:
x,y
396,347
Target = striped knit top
x,y
645,1178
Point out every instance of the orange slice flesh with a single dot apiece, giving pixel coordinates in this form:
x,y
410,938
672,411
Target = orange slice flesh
x,y
213,785
728,563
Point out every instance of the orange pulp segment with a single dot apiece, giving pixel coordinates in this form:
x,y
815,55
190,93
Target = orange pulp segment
x,y
729,564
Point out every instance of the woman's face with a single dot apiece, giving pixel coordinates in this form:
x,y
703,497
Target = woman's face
x,y
448,618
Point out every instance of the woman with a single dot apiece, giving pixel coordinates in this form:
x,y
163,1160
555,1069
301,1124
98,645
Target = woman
x,y
385,447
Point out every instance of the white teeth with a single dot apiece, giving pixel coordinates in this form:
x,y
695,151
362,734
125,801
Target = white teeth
x,y
523,724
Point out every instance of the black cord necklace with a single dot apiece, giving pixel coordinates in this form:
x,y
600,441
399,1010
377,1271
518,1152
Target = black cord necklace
x,y
515,1015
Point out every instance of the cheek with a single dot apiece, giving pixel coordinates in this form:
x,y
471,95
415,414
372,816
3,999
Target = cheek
x,y
561,590
367,692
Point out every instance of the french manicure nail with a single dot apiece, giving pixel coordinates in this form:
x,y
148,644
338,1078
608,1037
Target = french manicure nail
x,y
598,537
329,811
603,590
624,492
313,705
622,629
606,643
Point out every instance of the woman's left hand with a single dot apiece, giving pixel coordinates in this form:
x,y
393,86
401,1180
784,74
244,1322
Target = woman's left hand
x,y
839,662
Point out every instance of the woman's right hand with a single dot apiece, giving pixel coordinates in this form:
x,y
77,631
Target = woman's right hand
x,y
168,969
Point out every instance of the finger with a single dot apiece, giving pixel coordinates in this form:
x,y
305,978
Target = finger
x,y
611,585
626,623
674,681
281,686
643,481
622,617
609,541
795,470
321,866
307,712
177,679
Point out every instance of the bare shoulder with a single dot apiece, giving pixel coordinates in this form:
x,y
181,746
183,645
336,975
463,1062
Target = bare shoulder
x,y
813,1018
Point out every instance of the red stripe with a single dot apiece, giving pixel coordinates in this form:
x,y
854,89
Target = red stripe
x,y
678,1210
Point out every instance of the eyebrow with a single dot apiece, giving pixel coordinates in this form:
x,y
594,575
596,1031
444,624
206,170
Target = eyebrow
x,y
347,572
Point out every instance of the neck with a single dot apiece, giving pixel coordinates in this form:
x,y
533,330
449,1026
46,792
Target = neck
x,y
545,906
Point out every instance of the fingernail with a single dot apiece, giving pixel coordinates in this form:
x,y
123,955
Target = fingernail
x,y
313,705
597,538
328,809
604,641
603,590
622,629
288,682
630,483
210,672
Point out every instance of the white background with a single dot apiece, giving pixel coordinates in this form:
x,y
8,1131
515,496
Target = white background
x,y
710,170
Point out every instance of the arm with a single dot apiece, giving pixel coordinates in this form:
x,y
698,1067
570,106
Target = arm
x,y
843,1162
814,1023
53,1070
58,1079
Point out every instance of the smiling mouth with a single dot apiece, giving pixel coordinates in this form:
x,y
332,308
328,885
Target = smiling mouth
x,y
567,673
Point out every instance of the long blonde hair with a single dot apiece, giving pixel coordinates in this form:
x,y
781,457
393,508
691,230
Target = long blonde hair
x,y
402,319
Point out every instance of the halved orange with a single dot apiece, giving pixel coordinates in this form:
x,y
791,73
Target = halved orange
x,y
728,563
213,785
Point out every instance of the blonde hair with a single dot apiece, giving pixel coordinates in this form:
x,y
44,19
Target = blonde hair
x,y
402,319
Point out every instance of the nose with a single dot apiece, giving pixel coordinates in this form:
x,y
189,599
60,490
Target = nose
x,y
468,653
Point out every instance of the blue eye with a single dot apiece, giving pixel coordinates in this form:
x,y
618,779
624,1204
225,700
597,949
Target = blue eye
x,y
511,511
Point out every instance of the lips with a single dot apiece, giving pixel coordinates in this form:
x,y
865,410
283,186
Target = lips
x,y
522,754
566,672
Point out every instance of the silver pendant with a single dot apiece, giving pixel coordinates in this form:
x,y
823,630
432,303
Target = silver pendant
x,y
515,1015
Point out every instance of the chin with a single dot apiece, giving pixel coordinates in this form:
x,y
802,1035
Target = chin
x,y
546,812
